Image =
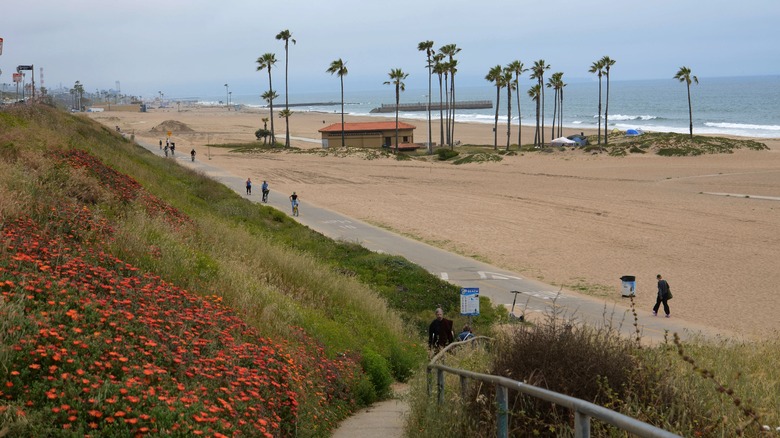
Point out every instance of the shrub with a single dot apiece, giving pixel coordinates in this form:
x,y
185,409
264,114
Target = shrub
x,y
403,361
445,154
375,366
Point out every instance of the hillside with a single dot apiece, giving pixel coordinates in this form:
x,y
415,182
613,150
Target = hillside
x,y
142,298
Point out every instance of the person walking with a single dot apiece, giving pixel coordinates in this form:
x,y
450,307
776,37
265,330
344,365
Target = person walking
x,y
265,190
248,186
294,203
192,154
664,294
440,332
160,144
466,334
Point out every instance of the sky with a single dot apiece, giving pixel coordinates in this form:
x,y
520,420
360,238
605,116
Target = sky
x,y
191,48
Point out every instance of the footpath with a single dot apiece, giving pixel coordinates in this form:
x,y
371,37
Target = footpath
x,y
384,419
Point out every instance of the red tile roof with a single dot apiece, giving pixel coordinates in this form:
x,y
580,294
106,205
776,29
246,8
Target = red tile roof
x,y
366,127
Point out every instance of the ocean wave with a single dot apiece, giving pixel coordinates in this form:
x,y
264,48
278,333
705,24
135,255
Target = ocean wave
x,y
623,117
742,126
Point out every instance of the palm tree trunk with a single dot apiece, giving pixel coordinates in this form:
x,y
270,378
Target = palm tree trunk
x,y
508,114
271,106
397,100
606,112
441,114
599,116
519,119
541,91
452,96
286,100
555,114
429,147
690,111
343,142
560,118
495,123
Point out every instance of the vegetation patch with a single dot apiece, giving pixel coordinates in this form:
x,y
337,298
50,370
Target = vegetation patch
x,y
445,154
481,157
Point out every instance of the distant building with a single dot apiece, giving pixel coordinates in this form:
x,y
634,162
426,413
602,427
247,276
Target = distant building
x,y
370,135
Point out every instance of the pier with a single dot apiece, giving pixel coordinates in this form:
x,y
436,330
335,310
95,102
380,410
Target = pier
x,y
423,106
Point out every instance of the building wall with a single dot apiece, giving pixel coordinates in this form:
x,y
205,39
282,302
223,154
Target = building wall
x,y
368,139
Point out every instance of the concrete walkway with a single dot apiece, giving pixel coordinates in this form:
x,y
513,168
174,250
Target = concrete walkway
x,y
384,419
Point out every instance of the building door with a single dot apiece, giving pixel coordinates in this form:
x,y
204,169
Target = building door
x,y
388,142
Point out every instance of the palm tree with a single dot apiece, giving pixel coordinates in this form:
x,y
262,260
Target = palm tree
x,y
506,78
266,62
534,93
494,76
445,67
438,68
78,88
265,126
397,77
285,114
607,63
517,69
427,47
450,50
269,96
538,73
555,82
339,68
287,37
684,75
598,68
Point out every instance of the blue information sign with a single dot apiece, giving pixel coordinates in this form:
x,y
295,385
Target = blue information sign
x,y
469,301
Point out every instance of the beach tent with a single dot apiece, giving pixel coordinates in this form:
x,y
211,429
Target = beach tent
x,y
580,139
633,132
563,141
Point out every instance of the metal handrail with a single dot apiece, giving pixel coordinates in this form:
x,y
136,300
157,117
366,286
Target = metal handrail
x,y
583,410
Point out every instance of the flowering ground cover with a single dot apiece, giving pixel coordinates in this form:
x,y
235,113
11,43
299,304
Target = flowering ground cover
x,y
90,346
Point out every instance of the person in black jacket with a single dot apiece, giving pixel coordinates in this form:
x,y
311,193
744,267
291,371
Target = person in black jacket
x,y
440,331
663,296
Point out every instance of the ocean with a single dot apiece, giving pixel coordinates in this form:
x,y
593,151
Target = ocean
x,y
746,106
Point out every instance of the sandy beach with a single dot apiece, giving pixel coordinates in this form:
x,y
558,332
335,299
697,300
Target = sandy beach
x,y
566,218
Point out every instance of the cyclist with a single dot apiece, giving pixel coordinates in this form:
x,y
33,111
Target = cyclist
x,y
265,190
294,202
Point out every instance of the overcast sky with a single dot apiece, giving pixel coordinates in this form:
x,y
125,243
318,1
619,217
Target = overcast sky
x,y
191,48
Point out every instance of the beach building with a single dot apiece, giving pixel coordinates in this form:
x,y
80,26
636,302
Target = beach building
x,y
370,135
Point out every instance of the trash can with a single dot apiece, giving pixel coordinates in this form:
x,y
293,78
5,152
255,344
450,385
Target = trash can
x,y
629,285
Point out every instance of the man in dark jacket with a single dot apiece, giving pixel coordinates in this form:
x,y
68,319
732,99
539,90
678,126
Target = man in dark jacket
x,y
663,296
440,331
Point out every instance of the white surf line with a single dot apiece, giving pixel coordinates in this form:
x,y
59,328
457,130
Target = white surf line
x,y
738,195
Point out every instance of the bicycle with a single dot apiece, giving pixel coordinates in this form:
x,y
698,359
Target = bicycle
x,y
265,196
295,208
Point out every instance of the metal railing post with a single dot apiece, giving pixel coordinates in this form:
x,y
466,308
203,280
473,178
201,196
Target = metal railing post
x,y
428,380
502,409
440,381
581,425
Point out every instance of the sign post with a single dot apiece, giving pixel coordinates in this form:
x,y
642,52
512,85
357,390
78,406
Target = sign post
x,y
469,302
32,69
